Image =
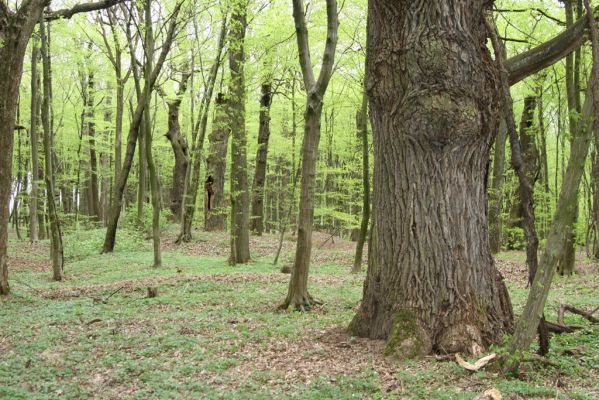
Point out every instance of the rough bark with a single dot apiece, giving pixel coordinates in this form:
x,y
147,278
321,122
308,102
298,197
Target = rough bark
x,y
362,125
240,206
180,149
432,284
257,219
297,294
215,214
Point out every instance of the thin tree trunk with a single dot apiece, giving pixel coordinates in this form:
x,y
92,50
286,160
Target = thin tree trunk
x,y
35,108
56,248
94,205
556,240
297,294
192,179
240,212
136,121
362,125
154,184
566,263
257,219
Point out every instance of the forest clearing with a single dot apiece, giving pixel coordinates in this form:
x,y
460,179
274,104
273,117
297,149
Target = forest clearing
x,y
214,330
299,199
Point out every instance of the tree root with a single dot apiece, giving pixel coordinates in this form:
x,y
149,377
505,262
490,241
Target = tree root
x,y
300,303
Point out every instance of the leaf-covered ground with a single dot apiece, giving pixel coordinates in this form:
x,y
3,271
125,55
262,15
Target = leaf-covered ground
x,y
214,331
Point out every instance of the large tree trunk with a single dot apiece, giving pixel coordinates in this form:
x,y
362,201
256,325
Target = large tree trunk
x,y
432,284
240,206
362,125
215,215
257,220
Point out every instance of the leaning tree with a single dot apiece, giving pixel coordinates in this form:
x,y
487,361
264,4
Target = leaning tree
x,y
434,106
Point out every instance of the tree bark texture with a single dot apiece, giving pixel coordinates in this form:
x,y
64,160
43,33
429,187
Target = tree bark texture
x,y
257,219
215,214
432,284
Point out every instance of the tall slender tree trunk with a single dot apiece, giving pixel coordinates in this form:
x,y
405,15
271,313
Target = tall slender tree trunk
x,y
431,284
240,212
94,206
35,108
105,161
154,183
566,263
136,122
215,215
362,125
56,248
192,179
496,190
297,294
257,219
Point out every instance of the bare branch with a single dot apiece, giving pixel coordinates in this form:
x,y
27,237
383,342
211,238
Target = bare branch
x,y
80,8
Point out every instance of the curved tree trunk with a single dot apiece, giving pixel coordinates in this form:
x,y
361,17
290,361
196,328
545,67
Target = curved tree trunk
x,y
215,214
180,148
257,219
432,284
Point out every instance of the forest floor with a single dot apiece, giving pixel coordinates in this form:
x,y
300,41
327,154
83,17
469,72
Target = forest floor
x,y
214,331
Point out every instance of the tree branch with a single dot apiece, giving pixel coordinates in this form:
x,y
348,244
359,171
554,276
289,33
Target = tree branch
x,y
544,55
303,45
328,58
67,13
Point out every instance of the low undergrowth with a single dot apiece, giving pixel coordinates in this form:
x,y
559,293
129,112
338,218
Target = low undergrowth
x,y
214,330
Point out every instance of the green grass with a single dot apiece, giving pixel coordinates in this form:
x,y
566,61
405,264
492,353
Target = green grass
x,y
214,332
